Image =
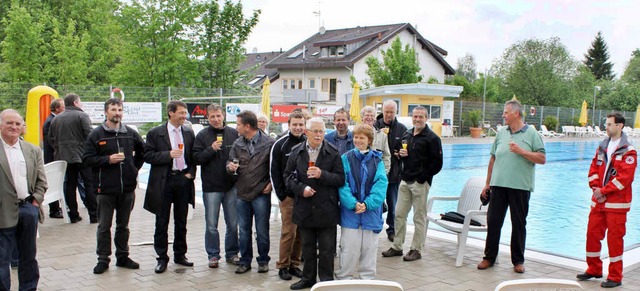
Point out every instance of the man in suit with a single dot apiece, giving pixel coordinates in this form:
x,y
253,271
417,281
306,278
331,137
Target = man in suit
x,y
169,151
23,186
56,107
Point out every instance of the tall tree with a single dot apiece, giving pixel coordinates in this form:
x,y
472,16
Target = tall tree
x,y
467,67
399,66
597,59
224,32
537,71
632,71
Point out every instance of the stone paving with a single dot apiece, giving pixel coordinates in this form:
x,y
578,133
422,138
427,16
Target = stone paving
x,y
66,254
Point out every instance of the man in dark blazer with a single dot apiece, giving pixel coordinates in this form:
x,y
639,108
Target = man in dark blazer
x,y
56,107
23,186
169,150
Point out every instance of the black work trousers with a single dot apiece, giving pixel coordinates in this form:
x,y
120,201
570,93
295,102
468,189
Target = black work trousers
x,y
318,261
71,186
517,201
177,192
122,204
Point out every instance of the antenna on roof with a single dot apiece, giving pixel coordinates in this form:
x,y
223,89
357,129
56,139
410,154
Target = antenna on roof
x,y
319,15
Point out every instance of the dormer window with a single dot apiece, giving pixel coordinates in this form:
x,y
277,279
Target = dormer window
x,y
333,51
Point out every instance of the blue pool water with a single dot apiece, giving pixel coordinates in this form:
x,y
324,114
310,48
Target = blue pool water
x,y
560,204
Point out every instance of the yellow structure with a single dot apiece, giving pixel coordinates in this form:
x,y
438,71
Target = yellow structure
x,y
354,111
38,101
409,96
636,124
583,114
265,106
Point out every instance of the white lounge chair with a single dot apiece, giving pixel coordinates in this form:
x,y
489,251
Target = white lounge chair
x,y
549,133
597,132
539,284
581,131
569,130
470,206
54,172
357,285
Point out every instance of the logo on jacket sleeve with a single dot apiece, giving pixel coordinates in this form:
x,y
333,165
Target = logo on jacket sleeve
x,y
102,143
629,160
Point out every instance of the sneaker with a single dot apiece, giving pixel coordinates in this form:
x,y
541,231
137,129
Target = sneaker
x,y
127,263
235,260
243,269
100,268
412,255
391,252
263,268
213,262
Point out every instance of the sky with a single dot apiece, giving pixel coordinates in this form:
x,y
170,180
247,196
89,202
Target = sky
x,y
484,29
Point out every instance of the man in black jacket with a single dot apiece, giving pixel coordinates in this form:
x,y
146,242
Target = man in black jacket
x,y
56,107
394,129
115,152
169,151
290,242
316,210
211,152
68,134
421,157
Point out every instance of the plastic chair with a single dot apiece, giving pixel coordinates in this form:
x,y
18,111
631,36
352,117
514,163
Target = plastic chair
x,y
470,206
539,284
357,285
197,128
54,172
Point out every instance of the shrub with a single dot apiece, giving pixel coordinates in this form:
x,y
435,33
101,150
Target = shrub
x,y
551,122
472,118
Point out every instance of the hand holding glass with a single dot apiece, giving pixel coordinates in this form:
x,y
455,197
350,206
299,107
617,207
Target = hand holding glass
x,y
237,163
404,144
121,153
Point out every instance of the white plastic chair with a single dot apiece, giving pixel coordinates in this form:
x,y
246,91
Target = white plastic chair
x,y
54,172
539,284
470,206
549,133
197,128
275,204
357,285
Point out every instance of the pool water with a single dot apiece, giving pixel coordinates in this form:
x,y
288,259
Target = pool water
x,y
559,205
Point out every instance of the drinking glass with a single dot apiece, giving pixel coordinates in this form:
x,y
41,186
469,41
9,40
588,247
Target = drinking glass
x,y
236,162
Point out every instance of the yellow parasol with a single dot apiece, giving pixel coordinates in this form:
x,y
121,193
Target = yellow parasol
x,y
265,108
583,114
354,111
636,124
514,97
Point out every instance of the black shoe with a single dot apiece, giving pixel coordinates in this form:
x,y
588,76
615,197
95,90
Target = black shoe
x,y
295,271
127,263
243,269
161,267
75,219
183,261
391,252
610,284
284,274
586,276
391,237
100,268
302,284
263,268
57,214
93,219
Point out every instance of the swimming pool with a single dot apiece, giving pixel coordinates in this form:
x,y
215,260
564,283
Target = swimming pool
x,y
559,206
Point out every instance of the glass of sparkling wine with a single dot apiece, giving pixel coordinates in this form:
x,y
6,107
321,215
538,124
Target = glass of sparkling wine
x,y
237,163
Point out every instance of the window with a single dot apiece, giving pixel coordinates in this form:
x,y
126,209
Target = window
x,y
432,110
325,85
256,79
295,54
312,83
333,51
291,84
341,51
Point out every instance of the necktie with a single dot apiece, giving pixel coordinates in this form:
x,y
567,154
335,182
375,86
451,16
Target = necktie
x,y
180,160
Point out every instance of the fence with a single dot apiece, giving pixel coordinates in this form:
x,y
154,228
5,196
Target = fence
x,y
565,116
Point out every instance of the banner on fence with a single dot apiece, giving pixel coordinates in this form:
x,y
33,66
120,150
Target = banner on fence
x,y
235,108
198,113
280,113
447,112
133,112
326,110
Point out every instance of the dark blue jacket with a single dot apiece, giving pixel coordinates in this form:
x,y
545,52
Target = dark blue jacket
x,y
365,181
332,138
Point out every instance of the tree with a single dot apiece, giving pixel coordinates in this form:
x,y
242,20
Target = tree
x,y
632,71
537,71
597,59
399,66
467,67
224,32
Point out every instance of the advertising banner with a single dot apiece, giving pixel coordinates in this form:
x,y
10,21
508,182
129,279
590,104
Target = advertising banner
x,y
326,111
280,113
198,113
235,108
133,112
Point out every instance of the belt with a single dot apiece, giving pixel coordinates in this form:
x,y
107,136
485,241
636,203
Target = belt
x,y
177,172
25,201
410,182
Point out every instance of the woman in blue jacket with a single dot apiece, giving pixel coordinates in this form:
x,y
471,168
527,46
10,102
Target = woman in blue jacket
x,y
361,200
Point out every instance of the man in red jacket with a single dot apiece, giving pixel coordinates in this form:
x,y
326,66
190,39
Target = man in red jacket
x,y
610,177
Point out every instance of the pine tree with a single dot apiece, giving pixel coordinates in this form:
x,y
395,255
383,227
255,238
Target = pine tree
x,y
597,59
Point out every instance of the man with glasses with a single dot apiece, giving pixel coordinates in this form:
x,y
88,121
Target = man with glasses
x,y
610,177
515,151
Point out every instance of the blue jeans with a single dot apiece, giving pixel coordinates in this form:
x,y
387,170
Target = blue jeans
x,y
261,208
24,235
212,202
392,199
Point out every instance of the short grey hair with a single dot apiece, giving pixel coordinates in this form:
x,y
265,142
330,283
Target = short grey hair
x,y
516,106
261,115
390,102
316,120
8,111
367,109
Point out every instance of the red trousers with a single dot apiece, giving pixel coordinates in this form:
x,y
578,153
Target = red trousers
x,y
614,224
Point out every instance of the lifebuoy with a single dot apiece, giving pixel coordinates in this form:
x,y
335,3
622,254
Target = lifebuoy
x,y
532,111
118,90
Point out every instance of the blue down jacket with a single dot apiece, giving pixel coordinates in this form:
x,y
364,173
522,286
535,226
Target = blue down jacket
x,y
365,181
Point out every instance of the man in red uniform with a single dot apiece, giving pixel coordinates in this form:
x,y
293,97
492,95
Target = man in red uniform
x,y
610,177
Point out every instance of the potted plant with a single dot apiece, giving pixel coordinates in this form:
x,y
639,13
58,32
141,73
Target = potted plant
x,y
472,118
